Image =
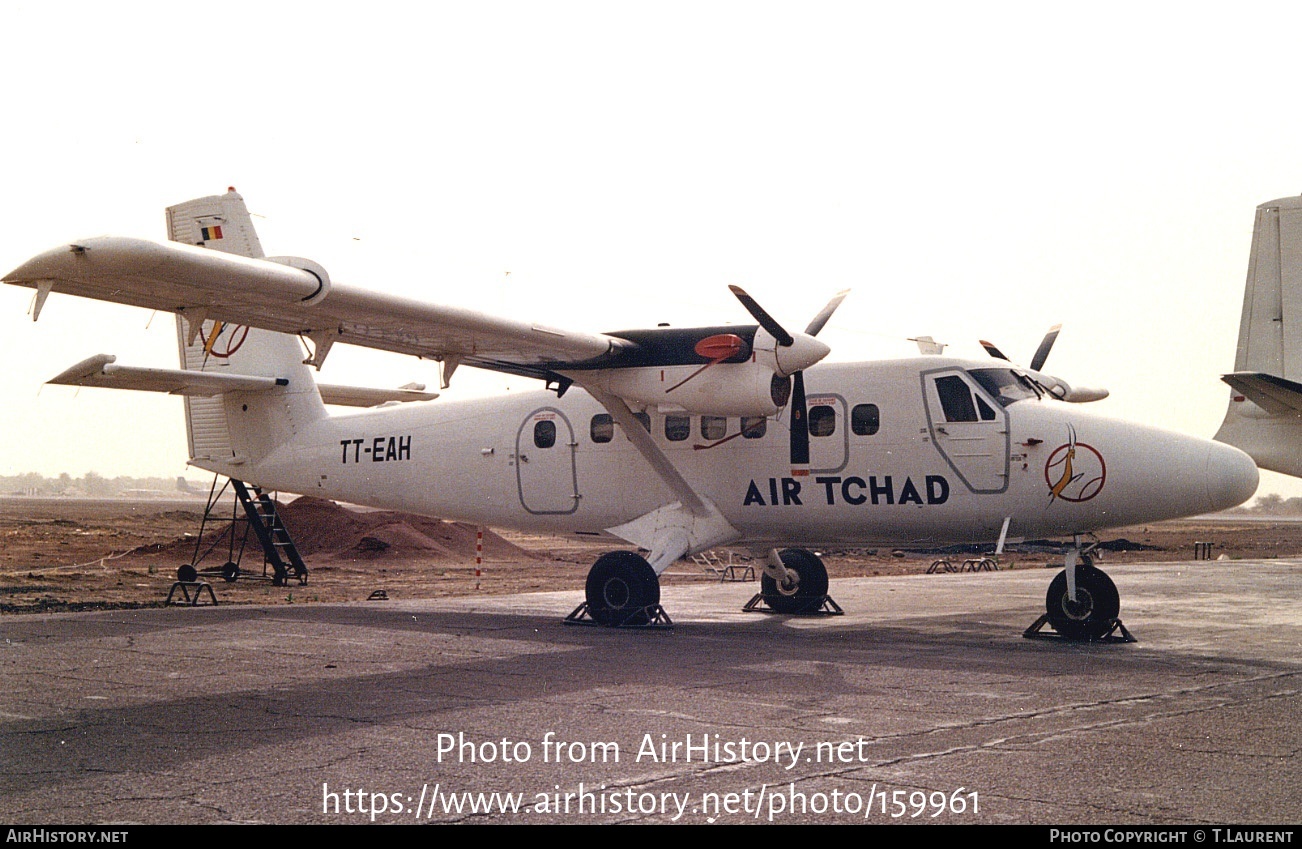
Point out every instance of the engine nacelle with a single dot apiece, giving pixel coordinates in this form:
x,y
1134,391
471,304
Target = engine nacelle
x,y
723,389
1064,391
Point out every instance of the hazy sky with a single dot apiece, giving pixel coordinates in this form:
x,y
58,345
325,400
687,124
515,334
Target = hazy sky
x,y
969,170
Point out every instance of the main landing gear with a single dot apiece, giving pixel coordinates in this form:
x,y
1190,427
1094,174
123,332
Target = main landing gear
x,y
1088,615
623,591
794,582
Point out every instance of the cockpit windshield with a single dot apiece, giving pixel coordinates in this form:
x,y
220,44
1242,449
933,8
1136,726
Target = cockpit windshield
x,y
1006,385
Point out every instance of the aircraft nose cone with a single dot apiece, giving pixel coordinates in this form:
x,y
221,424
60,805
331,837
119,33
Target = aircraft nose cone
x,y
1232,476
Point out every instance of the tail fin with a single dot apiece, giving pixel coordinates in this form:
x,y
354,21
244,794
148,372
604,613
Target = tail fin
x,y
1265,412
237,428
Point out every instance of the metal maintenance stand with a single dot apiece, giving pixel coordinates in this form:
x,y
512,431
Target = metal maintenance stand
x,y
280,555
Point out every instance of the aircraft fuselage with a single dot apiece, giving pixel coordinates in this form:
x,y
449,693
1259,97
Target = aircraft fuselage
x,y
901,451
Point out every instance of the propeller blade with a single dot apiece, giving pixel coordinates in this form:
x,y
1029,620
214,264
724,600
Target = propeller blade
x,y
799,421
821,319
765,320
1042,353
993,351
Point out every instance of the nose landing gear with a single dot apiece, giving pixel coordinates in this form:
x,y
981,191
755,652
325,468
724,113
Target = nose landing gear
x,y
1087,615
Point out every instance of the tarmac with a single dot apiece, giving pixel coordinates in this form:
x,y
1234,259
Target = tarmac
x,y
922,703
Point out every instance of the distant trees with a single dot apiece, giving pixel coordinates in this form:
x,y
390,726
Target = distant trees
x,y
1272,504
91,484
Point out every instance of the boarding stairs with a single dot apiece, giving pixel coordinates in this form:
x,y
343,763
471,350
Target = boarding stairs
x,y
280,556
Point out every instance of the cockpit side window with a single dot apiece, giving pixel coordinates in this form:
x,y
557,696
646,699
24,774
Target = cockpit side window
x,y
956,399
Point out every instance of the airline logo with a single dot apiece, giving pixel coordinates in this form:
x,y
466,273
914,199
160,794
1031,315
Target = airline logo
x,y
1075,471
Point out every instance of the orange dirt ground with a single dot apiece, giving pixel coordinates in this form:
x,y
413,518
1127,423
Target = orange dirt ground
x,y
85,554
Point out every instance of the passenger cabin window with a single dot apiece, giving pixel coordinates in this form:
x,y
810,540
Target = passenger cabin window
x,y
645,419
822,420
544,434
753,427
677,428
714,427
602,428
865,419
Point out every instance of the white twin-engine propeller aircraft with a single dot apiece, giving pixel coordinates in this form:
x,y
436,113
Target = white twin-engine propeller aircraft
x,y
673,440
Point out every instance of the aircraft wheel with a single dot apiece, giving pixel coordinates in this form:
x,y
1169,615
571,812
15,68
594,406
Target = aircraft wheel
x,y
230,572
621,585
1095,609
187,574
806,594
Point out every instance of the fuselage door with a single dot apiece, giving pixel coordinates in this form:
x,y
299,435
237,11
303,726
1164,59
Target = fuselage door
x,y
969,428
829,433
544,463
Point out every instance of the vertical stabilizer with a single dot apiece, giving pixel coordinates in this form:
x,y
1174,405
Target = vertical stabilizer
x,y
1265,412
219,223
237,428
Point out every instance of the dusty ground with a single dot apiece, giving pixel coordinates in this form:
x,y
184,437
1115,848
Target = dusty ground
x,y
76,554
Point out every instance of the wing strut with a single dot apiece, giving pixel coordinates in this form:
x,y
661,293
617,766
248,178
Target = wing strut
x,y
642,441
674,530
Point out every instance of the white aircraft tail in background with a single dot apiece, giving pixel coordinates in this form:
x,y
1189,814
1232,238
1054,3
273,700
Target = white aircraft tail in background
x,y
1265,412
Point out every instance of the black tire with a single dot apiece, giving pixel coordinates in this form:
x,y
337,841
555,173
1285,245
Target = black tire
x,y
810,589
230,572
187,574
621,586
1096,607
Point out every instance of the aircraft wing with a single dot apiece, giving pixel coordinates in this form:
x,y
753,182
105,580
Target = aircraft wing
x,y
295,296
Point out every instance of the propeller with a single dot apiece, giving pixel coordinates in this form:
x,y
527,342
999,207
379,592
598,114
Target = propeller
x,y
802,351
1055,386
1046,345
1041,353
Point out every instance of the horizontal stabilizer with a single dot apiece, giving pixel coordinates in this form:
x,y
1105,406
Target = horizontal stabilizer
x,y
1276,395
362,396
101,371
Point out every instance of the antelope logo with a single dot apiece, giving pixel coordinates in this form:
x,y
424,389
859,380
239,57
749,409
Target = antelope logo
x,y
1074,471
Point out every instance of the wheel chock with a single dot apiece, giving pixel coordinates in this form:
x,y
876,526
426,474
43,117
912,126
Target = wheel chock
x,y
826,607
1116,633
186,587
654,616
